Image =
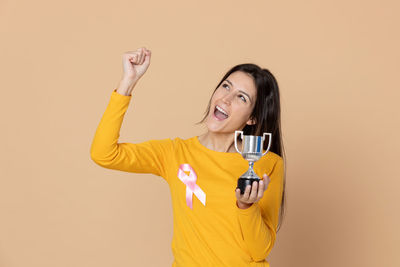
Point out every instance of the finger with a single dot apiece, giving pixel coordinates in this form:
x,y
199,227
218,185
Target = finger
x,y
135,58
254,190
137,53
260,190
143,55
246,194
237,193
148,55
140,56
267,180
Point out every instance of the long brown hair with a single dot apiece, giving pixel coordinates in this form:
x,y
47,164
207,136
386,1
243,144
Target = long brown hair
x,y
266,112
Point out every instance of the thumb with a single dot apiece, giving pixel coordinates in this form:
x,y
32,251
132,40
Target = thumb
x,y
266,179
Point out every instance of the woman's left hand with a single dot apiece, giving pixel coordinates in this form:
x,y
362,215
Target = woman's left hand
x,y
249,197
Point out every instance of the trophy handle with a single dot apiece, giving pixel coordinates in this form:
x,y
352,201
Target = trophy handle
x,y
269,141
241,134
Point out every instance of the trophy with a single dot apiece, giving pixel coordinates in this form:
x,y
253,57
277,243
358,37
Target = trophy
x,y
252,150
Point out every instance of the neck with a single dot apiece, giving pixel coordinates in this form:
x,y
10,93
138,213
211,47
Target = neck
x,y
221,142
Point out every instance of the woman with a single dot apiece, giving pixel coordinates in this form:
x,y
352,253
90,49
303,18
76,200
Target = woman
x,y
214,224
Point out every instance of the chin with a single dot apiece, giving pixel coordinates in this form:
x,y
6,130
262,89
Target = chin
x,y
216,127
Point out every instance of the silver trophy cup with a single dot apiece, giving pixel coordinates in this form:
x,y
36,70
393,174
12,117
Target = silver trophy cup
x,y
252,150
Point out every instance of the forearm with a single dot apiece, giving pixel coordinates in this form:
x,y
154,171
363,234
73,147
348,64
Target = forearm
x,y
105,141
256,234
125,87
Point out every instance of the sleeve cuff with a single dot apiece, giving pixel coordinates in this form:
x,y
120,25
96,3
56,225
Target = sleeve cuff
x,y
117,97
114,92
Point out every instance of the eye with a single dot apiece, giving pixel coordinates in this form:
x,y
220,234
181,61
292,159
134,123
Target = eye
x,y
225,85
243,98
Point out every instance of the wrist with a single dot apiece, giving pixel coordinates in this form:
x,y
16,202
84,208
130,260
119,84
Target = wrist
x,y
241,205
128,81
126,86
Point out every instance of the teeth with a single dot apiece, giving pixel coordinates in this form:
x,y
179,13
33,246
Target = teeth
x,y
223,111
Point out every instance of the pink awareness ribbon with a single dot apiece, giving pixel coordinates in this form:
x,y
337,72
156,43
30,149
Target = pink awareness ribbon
x,y
191,186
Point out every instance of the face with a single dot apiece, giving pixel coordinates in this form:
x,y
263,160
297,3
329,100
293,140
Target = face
x,y
232,104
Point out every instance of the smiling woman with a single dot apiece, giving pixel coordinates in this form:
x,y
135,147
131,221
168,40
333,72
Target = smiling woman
x,y
213,224
258,110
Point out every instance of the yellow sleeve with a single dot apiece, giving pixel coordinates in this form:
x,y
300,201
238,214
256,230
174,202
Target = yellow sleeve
x,y
259,222
147,157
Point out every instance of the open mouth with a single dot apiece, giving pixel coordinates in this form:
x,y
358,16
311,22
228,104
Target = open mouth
x,y
220,114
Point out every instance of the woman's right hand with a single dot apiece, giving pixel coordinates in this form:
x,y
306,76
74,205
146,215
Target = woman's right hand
x,y
135,64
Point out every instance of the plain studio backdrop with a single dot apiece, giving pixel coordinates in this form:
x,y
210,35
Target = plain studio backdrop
x,y
337,65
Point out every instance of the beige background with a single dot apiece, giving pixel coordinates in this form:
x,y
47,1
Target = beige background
x,y
337,64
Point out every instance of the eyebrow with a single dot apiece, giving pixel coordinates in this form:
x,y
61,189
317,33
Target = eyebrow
x,y
239,90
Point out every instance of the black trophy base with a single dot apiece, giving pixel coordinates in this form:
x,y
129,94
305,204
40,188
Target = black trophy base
x,y
243,182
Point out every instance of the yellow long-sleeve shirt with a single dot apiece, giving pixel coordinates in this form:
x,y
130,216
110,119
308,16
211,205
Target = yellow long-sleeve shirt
x,y
214,232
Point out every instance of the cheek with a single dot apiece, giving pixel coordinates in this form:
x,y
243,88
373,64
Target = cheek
x,y
217,94
242,113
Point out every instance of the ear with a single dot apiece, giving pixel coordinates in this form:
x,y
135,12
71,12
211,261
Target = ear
x,y
251,121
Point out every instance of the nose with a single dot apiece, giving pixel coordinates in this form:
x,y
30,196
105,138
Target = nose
x,y
227,98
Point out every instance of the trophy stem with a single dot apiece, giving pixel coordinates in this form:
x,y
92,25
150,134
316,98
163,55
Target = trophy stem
x,y
247,178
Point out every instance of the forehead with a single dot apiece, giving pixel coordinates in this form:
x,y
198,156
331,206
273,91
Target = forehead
x,y
244,82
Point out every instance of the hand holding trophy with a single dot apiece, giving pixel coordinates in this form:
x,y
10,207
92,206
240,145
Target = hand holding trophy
x,y
252,150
